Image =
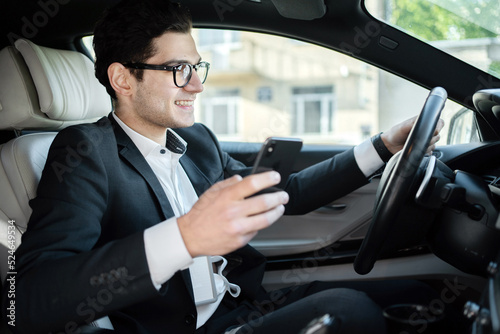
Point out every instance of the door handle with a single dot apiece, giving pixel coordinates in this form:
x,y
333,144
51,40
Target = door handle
x,y
330,208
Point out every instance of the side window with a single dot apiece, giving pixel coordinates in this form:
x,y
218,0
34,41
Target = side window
x,y
87,43
462,128
262,85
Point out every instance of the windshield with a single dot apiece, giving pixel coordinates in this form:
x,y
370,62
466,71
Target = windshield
x,y
466,29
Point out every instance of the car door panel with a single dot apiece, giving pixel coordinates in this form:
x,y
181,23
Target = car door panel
x,y
340,220
343,219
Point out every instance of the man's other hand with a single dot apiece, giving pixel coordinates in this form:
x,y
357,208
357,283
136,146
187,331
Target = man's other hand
x,y
395,138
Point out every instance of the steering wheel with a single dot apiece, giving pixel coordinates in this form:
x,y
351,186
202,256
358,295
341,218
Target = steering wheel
x,y
393,188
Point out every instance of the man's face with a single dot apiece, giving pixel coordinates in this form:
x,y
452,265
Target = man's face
x,y
158,102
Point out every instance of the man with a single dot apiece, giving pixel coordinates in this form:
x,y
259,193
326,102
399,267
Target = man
x,y
119,234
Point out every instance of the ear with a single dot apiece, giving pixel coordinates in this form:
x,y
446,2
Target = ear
x,y
119,78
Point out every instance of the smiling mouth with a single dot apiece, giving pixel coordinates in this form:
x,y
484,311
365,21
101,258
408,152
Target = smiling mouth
x,y
184,103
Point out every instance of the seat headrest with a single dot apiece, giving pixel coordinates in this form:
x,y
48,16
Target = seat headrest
x,y
45,88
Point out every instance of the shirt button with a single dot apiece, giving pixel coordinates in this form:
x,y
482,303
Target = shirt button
x,y
189,319
162,151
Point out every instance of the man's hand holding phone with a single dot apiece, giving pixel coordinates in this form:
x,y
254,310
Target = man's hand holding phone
x,y
226,217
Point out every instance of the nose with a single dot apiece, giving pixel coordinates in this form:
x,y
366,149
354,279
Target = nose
x,y
194,85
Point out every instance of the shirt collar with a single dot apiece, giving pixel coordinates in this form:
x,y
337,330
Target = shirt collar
x,y
175,143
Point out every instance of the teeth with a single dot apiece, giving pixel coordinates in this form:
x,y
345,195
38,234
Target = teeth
x,y
184,103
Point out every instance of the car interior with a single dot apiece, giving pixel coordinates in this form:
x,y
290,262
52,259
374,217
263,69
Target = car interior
x,y
429,217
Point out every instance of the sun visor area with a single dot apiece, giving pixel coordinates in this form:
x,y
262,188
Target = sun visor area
x,y
300,9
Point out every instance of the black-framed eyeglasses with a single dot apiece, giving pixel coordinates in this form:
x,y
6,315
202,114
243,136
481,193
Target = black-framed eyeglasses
x,y
182,73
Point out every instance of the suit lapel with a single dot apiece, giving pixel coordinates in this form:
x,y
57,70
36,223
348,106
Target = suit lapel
x,y
200,153
129,152
199,180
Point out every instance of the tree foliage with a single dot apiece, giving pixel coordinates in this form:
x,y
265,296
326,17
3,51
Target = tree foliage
x,y
451,20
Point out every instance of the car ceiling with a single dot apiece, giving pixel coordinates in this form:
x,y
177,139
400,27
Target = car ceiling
x,y
346,26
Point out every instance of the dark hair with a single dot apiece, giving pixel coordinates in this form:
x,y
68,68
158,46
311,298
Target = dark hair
x,y
126,31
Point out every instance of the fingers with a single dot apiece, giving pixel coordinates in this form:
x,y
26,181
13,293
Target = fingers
x,y
252,224
259,212
410,122
252,184
226,183
237,190
432,144
244,206
439,126
436,136
396,137
240,231
262,203
435,139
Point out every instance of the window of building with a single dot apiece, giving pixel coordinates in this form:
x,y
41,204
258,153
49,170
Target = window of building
x,y
312,110
220,112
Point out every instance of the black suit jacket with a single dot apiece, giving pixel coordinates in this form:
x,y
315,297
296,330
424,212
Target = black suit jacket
x,y
83,254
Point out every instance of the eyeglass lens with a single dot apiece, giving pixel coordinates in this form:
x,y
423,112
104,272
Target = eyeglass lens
x,y
183,73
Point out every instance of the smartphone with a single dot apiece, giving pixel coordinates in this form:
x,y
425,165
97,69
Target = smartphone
x,y
278,154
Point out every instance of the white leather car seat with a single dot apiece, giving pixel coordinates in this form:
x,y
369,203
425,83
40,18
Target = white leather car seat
x,y
42,90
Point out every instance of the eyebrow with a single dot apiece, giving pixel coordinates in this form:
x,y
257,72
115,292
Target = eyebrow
x,y
178,61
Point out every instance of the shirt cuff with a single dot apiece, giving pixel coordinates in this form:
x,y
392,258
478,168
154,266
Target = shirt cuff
x,y
367,158
166,252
